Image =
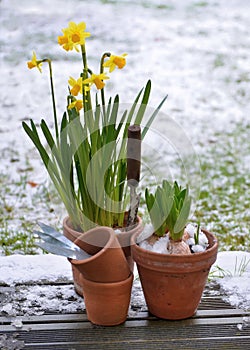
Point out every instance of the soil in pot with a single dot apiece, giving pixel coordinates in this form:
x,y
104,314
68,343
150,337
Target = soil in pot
x,y
172,283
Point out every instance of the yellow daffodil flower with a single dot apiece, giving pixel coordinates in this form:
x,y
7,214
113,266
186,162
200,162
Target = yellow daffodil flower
x,y
64,41
96,79
73,36
77,104
34,63
115,61
76,86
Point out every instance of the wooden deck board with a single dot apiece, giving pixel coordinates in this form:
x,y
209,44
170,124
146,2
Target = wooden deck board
x,y
216,325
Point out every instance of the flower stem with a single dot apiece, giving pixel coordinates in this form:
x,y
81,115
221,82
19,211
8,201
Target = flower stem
x,y
86,94
106,54
53,96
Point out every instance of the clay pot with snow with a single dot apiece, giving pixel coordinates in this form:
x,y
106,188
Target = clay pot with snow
x,y
173,276
173,283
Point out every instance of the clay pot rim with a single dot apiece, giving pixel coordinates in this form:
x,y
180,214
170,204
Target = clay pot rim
x,y
107,285
111,243
124,237
207,252
67,223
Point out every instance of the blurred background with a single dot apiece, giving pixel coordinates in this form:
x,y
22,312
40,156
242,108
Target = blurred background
x,y
197,52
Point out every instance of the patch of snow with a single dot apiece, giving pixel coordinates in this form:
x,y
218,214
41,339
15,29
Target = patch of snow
x,y
159,246
36,299
203,241
17,322
197,248
190,241
148,230
118,231
190,229
11,342
7,308
232,263
16,269
232,273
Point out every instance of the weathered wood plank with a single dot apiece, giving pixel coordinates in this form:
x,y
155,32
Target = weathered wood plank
x,y
137,316
156,334
129,323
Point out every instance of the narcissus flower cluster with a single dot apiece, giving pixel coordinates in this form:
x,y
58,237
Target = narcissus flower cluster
x,y
85,151
73,38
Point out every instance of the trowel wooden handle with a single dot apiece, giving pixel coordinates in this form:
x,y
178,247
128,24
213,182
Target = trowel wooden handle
x,y
134,155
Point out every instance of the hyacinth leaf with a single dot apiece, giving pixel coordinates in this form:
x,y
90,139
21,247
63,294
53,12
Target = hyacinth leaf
x,y
169,208
183,216
155,212
149,199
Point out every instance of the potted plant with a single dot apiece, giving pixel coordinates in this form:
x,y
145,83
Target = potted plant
x,y
85,153
173,277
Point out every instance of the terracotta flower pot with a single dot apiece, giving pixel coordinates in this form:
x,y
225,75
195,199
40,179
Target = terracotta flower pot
x,y
107,262
107,303
124,239
173,284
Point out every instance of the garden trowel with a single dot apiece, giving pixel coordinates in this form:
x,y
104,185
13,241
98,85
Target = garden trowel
x,y
56,243
133,171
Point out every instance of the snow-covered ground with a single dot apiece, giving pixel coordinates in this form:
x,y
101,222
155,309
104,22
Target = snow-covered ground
x,y
231,271
196,52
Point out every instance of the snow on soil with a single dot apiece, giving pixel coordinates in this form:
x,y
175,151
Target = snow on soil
x,y
161,244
